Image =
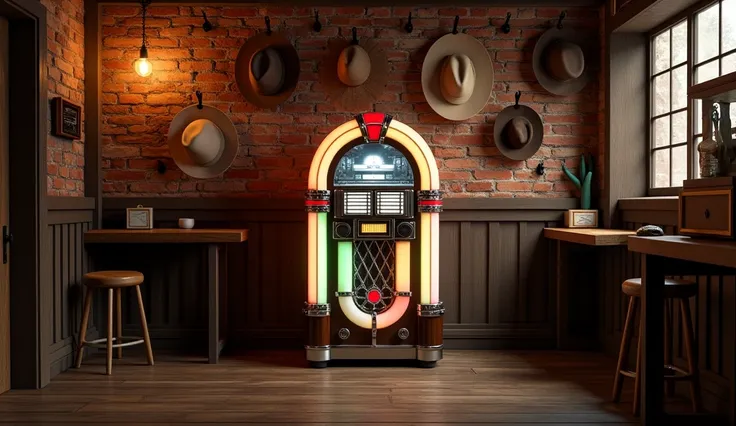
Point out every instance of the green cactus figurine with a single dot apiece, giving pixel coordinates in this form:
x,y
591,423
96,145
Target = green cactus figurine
x,y
583,183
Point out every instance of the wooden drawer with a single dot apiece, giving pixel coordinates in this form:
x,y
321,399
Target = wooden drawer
x,y
706,212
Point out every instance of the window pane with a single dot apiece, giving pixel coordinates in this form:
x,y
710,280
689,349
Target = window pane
x,y
732,108
679,87
679,165
706,33
696,157
679,43
679,127
728,35
698,116
662,94
728,64
662,52
661,131
661,168
706,72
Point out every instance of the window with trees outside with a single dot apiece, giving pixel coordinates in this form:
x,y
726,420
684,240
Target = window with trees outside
x,y
697,47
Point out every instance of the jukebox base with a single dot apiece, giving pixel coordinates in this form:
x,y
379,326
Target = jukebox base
x,y
427,356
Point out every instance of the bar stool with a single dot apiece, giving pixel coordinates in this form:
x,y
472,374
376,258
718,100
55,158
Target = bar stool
x,y
114,282
675,291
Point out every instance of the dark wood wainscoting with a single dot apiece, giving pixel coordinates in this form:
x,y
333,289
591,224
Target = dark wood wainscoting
x,y
67,261
495,271
713,308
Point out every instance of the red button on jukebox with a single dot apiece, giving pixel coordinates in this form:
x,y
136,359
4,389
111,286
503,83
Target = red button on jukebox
x,y
374,296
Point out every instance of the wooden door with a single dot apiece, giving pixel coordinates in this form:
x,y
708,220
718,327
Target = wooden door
x,y
4,270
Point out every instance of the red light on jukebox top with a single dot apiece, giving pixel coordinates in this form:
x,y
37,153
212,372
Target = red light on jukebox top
x,y
373,125
374,296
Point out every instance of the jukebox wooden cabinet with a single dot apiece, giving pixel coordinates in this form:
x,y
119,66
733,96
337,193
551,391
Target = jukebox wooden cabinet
x,y
373,204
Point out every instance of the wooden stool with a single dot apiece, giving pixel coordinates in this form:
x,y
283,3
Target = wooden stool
x,y
113,281
681,290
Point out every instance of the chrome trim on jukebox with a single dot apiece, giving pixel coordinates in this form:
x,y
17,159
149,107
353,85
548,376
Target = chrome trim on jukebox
x,y
432,310
317,201
429,201
344,333
403,334
429,353
374,330
384,127
344,293
318,353
370,352
316,309
402,293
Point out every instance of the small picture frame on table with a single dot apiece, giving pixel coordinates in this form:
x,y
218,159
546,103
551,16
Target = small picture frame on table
x,y
66,119
139,217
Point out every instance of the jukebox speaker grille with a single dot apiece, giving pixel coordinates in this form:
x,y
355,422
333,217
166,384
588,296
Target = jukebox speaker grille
x,y
357,203
373,282
390,203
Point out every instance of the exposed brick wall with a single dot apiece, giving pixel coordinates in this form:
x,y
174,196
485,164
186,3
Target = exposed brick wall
x,y
276,147
65,32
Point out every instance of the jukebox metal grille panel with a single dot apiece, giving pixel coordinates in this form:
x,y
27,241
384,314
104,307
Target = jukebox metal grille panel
x,y
373,277
390,203
357,203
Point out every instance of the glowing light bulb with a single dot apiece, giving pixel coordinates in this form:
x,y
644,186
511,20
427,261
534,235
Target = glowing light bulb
x,y
142,67
373,161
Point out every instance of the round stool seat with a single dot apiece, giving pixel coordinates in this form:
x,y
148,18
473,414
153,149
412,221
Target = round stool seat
x,y
673,289
113,279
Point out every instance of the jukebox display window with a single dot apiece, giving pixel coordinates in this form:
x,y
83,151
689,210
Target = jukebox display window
x,y
373,204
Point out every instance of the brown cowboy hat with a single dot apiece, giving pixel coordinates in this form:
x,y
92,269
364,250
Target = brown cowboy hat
x,y
354,74
202,141
518,131
267,69
457,76
559,61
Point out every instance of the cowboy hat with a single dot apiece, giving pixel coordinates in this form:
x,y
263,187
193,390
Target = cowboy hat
x,y
518,131
203,141
354,74
559,61
267,69
457,76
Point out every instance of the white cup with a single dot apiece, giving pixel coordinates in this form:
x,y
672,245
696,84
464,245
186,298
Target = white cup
x,y
186,223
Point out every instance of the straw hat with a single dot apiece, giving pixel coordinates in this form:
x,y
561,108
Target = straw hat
x,y
203,141
559,61
457,76
518,131
354,74
267,69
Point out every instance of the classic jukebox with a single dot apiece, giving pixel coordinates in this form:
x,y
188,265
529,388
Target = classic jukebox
x,y
373,204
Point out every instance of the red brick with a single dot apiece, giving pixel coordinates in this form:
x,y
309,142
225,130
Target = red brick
x,y
479,186
125,98
124,175
465,163
493,174
273,162
447,175
241,174
514,186
263,185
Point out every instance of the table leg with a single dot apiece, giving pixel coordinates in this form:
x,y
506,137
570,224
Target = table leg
x,y
213,312
561,278
652,315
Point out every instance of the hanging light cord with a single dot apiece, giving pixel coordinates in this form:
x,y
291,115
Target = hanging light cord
x,y
144,5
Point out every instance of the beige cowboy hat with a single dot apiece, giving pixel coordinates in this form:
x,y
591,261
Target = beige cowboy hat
x,y
354,73
203,141
559,61
518,131
267,69
457,76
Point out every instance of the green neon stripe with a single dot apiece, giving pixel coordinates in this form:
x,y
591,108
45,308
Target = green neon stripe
x,y
321,257
345,266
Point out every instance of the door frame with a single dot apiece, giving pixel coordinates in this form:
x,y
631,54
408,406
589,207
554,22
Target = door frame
x,y
30,316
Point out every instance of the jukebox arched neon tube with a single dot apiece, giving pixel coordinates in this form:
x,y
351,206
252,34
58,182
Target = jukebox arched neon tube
x,y
363,242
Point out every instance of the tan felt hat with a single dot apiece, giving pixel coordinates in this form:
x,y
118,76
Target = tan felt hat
x,y
559,61
518,131
457,76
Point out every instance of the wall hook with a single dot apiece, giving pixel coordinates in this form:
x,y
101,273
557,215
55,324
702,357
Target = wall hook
x,y
199,99
517,95
559,22
317,27
161,167
409,27
540,168
506,28
355,36
268,25
207,25
454,27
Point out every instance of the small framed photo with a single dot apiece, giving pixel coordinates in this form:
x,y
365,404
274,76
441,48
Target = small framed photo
x,y
139,217
66,119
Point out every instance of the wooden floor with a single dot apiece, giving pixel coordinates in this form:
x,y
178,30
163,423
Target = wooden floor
x,y
473,387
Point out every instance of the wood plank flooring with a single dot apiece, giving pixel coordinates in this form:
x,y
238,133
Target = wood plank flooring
x,y
467,387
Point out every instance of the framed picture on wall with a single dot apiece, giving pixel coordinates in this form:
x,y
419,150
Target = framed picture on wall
x,y
66,119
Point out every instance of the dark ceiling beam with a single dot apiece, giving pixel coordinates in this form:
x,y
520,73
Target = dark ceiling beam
x,y
376,3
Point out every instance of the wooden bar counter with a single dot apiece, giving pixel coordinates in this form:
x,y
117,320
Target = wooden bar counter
x,y
213,242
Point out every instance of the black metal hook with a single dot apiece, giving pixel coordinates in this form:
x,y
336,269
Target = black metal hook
x,y
715,116
199,99
355,36
506,28
268,25
517,96
207,25
540,168
454,27
317,27
559,22
161,167
409,27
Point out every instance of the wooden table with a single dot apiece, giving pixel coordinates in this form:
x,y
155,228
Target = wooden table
x,y
595,237
213,239
678,256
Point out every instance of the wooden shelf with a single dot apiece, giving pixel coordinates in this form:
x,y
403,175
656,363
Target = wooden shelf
x,y
721,89
641,16
590,236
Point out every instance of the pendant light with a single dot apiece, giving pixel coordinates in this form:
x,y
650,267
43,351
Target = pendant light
x,y
142,66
